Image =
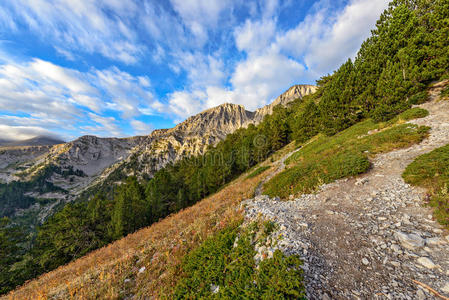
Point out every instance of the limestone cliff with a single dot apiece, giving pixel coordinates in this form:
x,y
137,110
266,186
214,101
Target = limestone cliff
x,y
89,160
293,93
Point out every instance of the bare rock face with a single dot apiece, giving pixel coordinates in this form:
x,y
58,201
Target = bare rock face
x,y
191,137
92,154
91,159
17,158
293,93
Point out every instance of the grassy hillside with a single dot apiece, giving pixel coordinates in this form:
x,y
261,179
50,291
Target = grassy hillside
x,y
159,248
405,53
431,171
325,159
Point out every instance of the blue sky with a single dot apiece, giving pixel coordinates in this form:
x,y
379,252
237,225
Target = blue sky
x,y
122,68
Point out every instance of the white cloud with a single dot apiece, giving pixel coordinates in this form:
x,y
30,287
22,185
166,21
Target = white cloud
x,y
21,132
55,98
108,126
185,104
202,70
262,78
200,15
254,81
81,25
141,128
254,36
325,39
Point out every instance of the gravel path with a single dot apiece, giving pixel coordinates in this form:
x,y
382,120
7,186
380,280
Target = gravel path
x,y
368,237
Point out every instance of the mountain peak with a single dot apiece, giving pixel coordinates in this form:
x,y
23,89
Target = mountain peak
x,y
224,118
40,140
294,92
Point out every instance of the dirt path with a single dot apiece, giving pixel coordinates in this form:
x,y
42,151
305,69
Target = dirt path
x,y
279,168
369,237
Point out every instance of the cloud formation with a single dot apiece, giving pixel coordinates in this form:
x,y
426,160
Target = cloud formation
x,y
52,97
114,61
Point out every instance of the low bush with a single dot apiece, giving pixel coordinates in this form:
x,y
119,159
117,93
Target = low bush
x,y
326,159
431,171
418,98
223,267
258,171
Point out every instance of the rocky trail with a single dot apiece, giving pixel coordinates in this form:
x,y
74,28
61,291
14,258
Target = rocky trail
x,y
280,166
368,237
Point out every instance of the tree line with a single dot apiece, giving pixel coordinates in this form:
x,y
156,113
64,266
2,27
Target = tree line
x,y
405,53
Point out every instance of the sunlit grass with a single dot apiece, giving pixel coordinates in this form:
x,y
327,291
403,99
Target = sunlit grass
x,y
431,171
325,159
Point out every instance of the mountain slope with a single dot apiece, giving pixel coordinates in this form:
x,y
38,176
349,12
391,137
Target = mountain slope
x,y
36,141
145,263
369,235
75,166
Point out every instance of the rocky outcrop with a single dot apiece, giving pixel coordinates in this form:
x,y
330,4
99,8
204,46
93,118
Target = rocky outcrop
x,y
36,141
16,159
293,93
367,237
95,158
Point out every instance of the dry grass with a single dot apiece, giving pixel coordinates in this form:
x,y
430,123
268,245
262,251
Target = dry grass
x,y
159,248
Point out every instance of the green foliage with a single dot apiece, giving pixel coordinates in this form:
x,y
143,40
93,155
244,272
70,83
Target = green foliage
x,y
431,171
406,51
410,114
131,210
216,262
445,92
326,159
418,98
11,255
257,171
13,195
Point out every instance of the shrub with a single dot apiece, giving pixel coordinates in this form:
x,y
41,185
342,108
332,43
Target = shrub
x,y
221,262
431,171
258,171
418,98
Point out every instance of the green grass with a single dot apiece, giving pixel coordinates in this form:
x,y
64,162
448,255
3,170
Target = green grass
x,y
410,114
219,262
431,171
419,98
258,171
445,92
326,159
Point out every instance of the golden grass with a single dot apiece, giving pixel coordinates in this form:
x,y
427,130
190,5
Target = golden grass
x,y
159,248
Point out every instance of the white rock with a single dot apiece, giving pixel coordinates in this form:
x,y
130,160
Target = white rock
x,y
395,263
426,262
142,269
409,241
445,288
420,295
214,288
365,261
433,241
361,181
395,248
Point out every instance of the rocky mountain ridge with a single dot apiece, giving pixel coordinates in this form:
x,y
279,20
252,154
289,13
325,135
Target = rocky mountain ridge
x,y
89,159
40,140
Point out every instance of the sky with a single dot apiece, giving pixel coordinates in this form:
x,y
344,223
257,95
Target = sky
x,y
123,68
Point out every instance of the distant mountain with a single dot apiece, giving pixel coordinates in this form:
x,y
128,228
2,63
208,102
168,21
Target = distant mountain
x,y
36,141
87,161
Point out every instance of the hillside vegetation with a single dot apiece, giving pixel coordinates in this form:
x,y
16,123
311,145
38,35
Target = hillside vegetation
x,y
405,53
325,159
431,171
